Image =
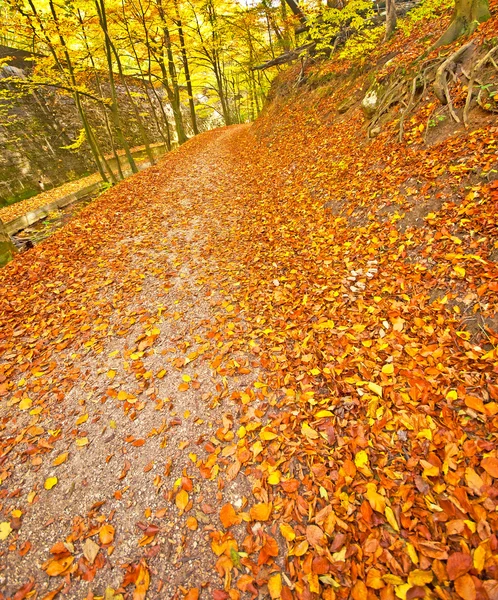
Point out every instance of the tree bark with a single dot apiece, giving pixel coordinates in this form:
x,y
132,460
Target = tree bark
x,y
293,5
186,68
391,19
466,18
100,6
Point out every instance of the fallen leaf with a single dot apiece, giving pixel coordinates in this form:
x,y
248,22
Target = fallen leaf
x,y
50,482
106,534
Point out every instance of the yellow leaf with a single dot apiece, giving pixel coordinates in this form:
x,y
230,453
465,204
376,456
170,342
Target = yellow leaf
x,y
321,414
419,577
429,469
309,432
479,558
412,553
261,511
460,271
111,373
287,532
388,369
275,586
391,519
402,590
267,435
25,403
376,389
82,419
274,478
186,378
50,482
106,534
301,548
5,530
361,459
181,500
376,501
84,441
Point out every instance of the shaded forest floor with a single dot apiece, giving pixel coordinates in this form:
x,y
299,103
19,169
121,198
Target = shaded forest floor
x,y
265,367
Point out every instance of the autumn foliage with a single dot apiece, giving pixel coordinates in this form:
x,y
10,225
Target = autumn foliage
x,y
349,347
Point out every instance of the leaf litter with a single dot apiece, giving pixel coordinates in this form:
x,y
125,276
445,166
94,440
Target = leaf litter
x,y
236,393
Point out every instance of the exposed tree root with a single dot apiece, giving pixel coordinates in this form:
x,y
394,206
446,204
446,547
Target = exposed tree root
x,y
439,74
473,79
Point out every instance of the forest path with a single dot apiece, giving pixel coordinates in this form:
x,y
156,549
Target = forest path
x,y
112,338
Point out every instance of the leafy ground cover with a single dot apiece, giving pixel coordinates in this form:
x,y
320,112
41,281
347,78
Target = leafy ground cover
x,y
266,367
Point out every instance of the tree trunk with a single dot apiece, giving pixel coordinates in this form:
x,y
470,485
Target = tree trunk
x,y
173,90
466,17
100,6
391,18
293,5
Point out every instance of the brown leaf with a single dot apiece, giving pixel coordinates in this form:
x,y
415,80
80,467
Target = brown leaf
x,y
90,550
314,535
458,564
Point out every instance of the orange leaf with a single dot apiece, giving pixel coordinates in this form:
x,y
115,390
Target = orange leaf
x,y
57,567
106,534
261,511
490,465
359,591
475,404
465,587
228,516
458,564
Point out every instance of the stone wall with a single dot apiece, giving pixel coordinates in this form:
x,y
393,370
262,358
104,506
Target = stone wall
x,y
35,126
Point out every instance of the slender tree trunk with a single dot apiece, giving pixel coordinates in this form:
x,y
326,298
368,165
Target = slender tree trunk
x,y
172,88
7,248
114,102
467,15
391,19
286,38
141,128
100,91
186,68
143,21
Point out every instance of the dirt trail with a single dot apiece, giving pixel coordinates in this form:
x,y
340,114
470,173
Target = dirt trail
x,y
133,398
